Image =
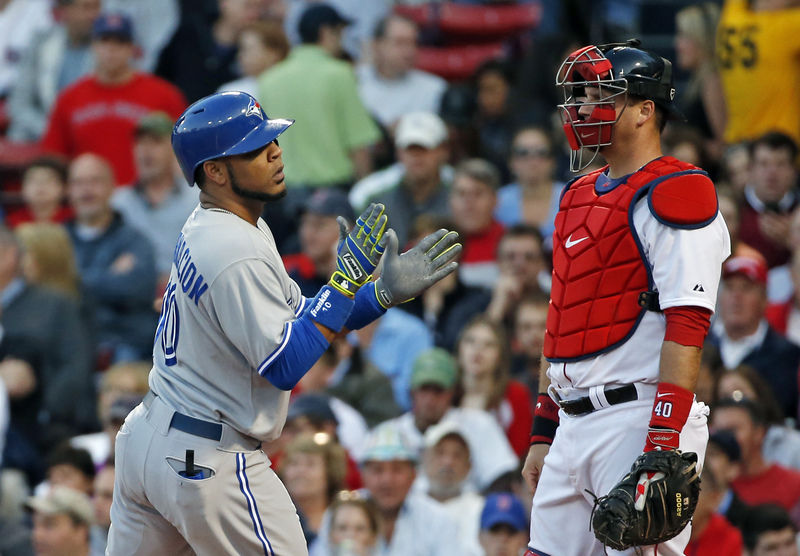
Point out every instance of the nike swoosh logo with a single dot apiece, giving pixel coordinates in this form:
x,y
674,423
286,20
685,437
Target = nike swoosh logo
x,y
569,243
664,394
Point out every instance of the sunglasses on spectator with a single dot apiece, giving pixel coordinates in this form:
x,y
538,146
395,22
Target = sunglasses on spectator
x,y
525,152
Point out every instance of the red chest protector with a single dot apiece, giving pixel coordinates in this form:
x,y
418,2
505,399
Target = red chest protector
x,y
599,268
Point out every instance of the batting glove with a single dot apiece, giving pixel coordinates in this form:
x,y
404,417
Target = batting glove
x,y
359,250
405,276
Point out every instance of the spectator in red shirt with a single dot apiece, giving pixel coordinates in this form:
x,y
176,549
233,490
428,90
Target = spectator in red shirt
x,y
43,191
473,197
484,380
760,482
712,534
99,113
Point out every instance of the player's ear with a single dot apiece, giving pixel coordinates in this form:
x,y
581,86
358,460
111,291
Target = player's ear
x,y
215,172
647,111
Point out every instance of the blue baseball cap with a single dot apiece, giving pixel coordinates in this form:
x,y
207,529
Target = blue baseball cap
x,y
503,508
113,25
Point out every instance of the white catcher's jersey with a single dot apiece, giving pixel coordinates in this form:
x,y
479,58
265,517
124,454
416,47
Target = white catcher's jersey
x,y
228,312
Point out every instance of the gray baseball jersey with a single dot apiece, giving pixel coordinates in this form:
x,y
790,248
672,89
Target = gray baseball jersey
x,y
228,312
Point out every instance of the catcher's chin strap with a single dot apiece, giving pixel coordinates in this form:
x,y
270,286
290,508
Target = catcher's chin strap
x,y
638,550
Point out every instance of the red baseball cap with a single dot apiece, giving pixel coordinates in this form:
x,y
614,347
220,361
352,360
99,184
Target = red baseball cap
x,y
754,269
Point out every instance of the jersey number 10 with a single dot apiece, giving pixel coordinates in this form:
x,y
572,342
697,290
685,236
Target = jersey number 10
x,y
169,326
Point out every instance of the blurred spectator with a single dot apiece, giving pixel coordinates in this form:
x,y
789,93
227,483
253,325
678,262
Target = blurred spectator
x,y
419,183
770,197
363,16
154,23
329,144
504,525
121,388
523,271
70,467
48,259
484,381
686,143
200,56
782,441
98,113
735,166
729,207
355,525
712,534
432,391
759,70
457,108
389,85
316,413
61,522
262,44
770,532
445,470
103,491
760,482
533,198
702,100
496,117
473,197
785,317
313,469
342,372
43,185
527,342
743,336
20,23
724,459
448,304
319,237
115,262
412,522
391,343
48,326
159,202
58,57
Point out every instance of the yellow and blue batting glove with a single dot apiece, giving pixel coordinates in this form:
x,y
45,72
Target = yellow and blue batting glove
x,y
359,250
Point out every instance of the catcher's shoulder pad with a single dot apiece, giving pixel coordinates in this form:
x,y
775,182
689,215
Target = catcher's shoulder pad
x,y
685,199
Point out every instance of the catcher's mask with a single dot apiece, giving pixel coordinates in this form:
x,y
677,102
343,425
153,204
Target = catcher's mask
x,y
611,71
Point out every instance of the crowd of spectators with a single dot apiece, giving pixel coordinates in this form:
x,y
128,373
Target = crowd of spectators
x,y
408,435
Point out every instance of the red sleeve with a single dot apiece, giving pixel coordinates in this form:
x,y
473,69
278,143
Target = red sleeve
x,y
687,325
518,431
56,136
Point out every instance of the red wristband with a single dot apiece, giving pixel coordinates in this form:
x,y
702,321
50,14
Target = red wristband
x,y
670,412
545,420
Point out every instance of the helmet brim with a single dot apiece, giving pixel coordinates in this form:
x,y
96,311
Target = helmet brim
x,y
259,137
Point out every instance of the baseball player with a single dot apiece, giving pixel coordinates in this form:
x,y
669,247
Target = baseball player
x,y
637,251
234,337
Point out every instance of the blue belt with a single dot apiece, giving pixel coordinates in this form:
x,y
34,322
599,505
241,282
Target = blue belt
x,y
190,425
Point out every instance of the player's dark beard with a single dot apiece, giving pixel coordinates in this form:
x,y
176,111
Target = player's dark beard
x,y
249,194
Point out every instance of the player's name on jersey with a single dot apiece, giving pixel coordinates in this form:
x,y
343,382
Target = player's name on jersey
x,y
189,278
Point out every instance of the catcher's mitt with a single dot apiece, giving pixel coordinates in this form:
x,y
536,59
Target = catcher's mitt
x,y
651,504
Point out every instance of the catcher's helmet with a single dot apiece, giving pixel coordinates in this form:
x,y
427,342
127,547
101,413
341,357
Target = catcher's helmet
x,y
616,70
223,124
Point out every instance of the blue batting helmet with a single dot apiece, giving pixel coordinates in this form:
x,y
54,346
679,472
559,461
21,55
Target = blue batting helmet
x,y
223,124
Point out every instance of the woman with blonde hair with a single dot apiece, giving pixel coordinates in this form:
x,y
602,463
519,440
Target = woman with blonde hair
x,y
313,468
484,380
48,258
703,101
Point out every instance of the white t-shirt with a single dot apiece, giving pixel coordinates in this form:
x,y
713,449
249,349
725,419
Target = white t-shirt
x,y
389,99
